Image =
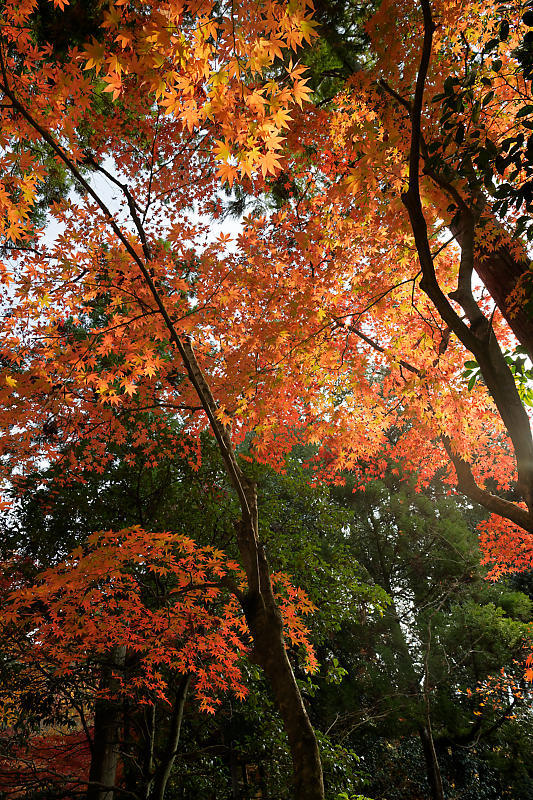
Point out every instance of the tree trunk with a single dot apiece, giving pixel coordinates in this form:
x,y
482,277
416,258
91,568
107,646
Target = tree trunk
x,y
502,271
414,689
167,761
149,726
106,737
259,604
266,626
104,760
432,763
234,771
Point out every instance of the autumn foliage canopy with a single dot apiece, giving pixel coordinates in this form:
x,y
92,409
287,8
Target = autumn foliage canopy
x,y
312,325
371,300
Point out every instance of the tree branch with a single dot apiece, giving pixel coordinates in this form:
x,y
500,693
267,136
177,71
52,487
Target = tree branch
x,y
478,339
244,489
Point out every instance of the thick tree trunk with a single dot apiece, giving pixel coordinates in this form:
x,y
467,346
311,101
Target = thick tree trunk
x,y
104,760
266,626
106,738
432,764
502,269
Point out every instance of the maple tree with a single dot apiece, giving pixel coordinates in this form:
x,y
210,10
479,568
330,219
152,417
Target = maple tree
x,y
147,47
134,609
151,44
315,326
375,154
50,516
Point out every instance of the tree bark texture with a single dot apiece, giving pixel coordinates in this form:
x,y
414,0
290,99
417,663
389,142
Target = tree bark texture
x,y
107,737
167,761
502,271
266,626
432,764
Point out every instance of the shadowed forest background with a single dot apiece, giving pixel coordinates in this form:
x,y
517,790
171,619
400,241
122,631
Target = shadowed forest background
x,y
409,635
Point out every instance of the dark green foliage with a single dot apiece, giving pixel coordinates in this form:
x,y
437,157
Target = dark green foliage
x,y
445,633
405,623
342,47
75,24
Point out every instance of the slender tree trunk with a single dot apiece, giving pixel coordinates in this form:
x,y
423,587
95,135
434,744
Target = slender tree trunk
x,y
259,605
106,737
424,728
148,718
432,764
167,762
234,772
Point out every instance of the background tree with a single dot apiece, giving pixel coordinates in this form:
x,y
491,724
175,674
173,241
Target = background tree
x,y
443,663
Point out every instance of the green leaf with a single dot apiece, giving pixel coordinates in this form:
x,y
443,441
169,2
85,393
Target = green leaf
x,y
524,112
504,30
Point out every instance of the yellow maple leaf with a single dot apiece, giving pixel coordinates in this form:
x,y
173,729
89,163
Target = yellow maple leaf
x,y
307,27
128,386
222,150
94,55
269,163
300,92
